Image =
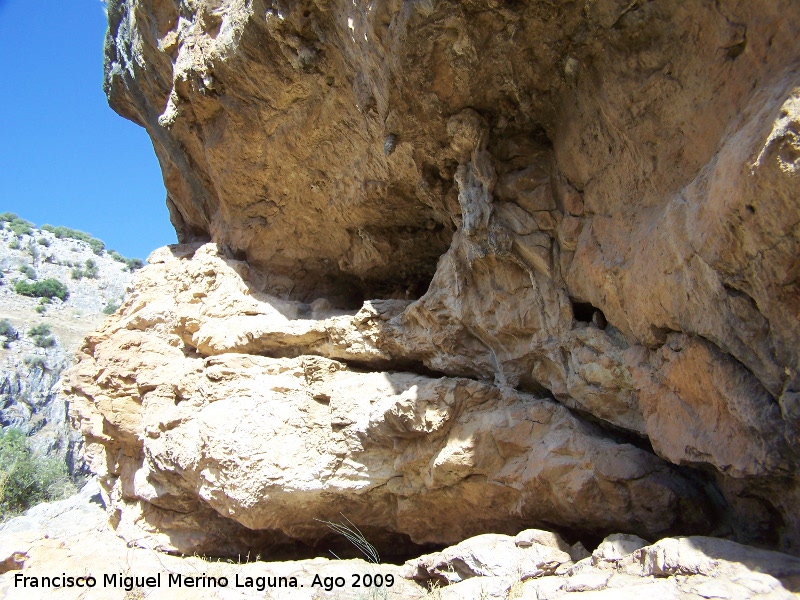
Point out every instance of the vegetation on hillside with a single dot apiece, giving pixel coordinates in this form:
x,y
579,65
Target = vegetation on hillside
x,y
89,271
47,288
35,361
28,271
42,306
40,334
132,263
22,227
17,225
51,288
61,232
26,479
112,307
7,333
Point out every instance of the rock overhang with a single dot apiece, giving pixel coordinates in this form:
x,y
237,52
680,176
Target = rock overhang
x,y
514,167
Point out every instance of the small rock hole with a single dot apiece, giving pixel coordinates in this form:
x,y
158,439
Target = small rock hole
x,y
733,52
586,313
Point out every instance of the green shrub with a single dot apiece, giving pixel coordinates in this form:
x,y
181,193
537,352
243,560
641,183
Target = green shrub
x,y
35,361
96,245
33,250
40,329
41,335
131,264
8,333
134,264
111,307
28,271
42,306
21,227
26,479
47,341
17,225
14,244
47,288
90,271
61,232
43,242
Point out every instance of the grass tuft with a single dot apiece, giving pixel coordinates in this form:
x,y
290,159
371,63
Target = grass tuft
x,y
355,537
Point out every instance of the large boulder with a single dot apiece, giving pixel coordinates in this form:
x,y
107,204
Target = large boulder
x,y
224,429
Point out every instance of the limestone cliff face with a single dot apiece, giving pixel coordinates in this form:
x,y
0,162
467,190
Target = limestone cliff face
x,y
577,230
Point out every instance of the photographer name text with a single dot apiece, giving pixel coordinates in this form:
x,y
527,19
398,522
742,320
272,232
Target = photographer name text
x,y
178,580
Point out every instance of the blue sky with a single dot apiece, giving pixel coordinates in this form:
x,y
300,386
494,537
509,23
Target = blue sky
x,y
66,157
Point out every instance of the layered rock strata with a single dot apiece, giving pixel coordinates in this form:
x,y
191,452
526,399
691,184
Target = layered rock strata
x,y
596,203
217,421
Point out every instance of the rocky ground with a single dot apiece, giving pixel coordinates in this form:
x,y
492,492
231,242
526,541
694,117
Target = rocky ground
x,y
30,397
73,538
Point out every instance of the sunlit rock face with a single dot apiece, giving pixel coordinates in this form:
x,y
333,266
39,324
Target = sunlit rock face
x,y
209,400
473,267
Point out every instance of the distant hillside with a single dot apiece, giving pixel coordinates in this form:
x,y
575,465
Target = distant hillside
x,y
56,285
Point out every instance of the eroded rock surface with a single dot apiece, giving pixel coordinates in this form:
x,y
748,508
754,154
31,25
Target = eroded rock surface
x,y
209,447
597,203
623,566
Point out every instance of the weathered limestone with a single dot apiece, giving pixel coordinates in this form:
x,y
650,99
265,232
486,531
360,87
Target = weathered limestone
x,y
623,566
576,227
275,445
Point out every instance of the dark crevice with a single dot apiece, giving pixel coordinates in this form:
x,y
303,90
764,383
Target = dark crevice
x,y
400,365
606,429
529,385
612,432
393,548
407,279
735,51
584,312
234,253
